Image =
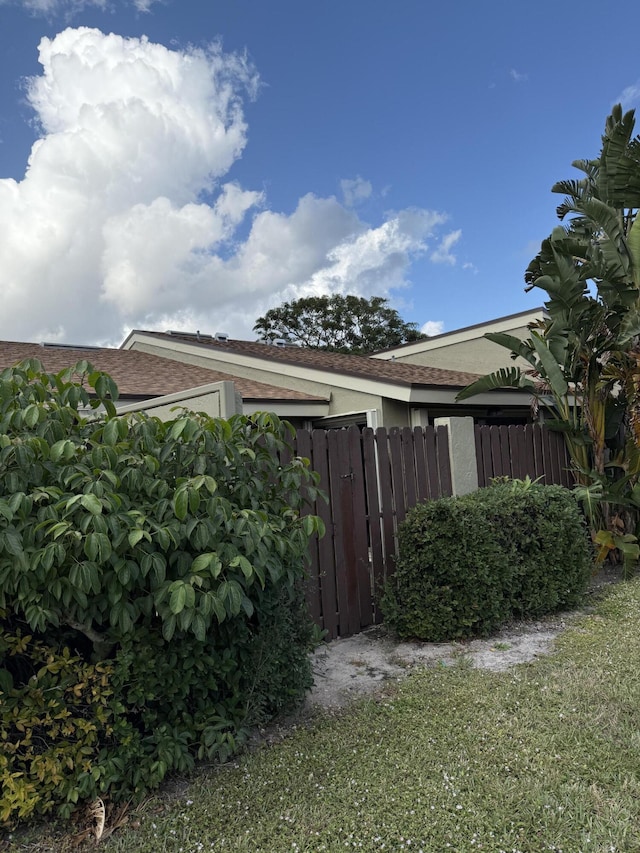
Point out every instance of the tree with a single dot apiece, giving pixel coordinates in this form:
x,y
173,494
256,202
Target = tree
x,y
585,356
350,324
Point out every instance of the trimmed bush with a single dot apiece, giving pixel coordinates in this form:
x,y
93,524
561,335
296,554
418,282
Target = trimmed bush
x,y
467,565
151,589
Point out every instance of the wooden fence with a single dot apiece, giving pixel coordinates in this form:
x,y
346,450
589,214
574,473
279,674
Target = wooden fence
x,y
519,451
372,478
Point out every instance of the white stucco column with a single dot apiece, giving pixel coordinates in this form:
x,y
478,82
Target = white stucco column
x,y
462,454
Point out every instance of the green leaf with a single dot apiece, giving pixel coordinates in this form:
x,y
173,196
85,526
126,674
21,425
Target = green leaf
x,y
203,561
111,433
135,536
244,564
231,594
62,449
177,428
199,627
91,504
97,547
169,628
506,377
550,367
12,542
178,597
181,503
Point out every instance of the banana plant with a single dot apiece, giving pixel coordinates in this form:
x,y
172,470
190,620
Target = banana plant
x,y
582,361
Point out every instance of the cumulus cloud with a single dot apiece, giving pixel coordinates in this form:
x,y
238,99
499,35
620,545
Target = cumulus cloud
x,y
443,254
109,229
355,190
432,328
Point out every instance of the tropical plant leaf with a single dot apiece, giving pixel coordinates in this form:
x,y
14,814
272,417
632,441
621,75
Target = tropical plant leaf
x,y
506,377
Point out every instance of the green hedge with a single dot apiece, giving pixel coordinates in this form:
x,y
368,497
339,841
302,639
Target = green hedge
x,y
151,589
467,565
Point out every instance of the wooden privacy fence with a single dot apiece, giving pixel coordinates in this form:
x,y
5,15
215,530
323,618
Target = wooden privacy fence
x,y
371,478
518,451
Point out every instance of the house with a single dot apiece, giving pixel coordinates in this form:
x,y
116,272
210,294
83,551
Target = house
x,y
159,385
467,349
359,389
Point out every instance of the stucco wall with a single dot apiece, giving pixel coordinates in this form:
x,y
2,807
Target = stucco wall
x,y
475,356
395,413
218,400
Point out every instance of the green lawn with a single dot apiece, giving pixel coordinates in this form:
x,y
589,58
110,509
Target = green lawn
x,y
545,757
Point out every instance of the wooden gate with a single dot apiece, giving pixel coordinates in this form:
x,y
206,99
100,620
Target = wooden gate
x,y
371,479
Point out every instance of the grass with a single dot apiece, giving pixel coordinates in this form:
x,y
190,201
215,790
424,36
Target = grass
x,y
545,757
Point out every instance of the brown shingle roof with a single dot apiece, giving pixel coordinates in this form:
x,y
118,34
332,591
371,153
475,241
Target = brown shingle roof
x,y
141,374
400,373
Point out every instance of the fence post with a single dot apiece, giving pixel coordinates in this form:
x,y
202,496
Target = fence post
x,y
462,454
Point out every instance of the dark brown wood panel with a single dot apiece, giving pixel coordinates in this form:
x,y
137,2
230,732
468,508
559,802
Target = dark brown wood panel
x,y
360,529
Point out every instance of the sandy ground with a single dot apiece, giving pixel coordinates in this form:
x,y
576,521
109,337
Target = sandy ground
x,y
347,668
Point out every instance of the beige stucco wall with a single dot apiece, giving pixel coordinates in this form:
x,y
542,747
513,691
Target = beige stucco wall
x,y
474,356
219,400
395,413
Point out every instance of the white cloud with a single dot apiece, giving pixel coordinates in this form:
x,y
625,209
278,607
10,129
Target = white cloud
x,y
630,96
355,190
518,77
108,229
442,254
68,8
432,328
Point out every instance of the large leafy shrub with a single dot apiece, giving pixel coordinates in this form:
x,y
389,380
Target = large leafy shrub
x,y
156,569
467,565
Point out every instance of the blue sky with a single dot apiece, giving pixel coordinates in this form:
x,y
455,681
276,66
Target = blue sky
x,y
206,161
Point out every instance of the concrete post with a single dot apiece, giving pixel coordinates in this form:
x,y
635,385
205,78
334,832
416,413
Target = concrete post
x,y
462,454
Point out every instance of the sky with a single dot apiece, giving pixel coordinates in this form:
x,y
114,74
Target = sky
x,y
175,164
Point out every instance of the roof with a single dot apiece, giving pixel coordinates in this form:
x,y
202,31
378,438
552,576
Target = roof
x,y
327,362
140,374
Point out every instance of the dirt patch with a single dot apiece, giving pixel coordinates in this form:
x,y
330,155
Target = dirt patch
x,y
347,668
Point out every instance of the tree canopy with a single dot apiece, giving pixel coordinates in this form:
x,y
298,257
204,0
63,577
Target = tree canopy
x,y
337,323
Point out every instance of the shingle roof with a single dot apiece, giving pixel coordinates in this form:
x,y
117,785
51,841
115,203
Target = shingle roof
x,y
399,373
141,374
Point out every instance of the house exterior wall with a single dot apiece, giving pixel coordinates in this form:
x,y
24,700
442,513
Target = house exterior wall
x,y
474,356
395,413
219,400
